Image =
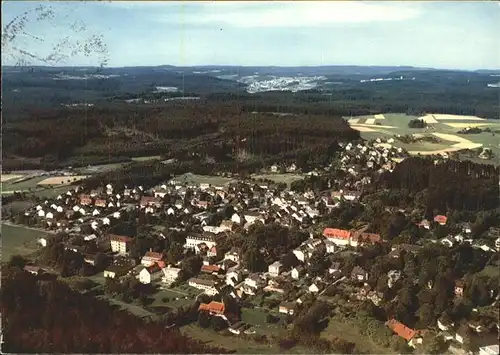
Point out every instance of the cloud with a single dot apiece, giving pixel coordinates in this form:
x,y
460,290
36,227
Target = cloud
x,y
290,14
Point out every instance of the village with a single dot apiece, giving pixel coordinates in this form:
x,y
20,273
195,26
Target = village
x,y
187,244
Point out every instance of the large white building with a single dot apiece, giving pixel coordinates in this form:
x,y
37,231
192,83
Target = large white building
x,y
193,241
150,274
208,286
120,244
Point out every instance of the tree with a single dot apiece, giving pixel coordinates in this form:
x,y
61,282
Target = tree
x,y
204,319
435,345
289,260
254,260
17,261
218,324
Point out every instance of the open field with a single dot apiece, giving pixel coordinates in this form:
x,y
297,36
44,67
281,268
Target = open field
x,y
202,179
19,240
94,169
237,343
444,127
350,332
472,125
279,178
10,177
60,180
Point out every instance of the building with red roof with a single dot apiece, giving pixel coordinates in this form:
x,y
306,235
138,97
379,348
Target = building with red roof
x,y
412,336
338,236
214,308
441,219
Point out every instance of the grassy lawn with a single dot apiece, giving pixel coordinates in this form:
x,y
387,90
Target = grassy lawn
x,y
203,179
130,307
257,318
22,186
19,240
350,332
54,192
237,343
173,301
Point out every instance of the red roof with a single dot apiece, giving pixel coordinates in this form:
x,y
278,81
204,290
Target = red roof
x,y
151,255
149,199
334,233
213,307
440,219
402,330
369,237
120,238
210,268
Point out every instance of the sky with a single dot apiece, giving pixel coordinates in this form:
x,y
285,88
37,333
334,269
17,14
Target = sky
x,y
449,35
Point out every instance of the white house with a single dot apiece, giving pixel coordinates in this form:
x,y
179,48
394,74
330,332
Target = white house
x,y
208,286
150,274
299,254
275,268
313,288
49,215
297,272
42,242
170,274
233,256
41,213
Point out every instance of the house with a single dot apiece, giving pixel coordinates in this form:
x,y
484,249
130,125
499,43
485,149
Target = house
x,y
459,288
32,269
150,201
314,288
238,328
331,247
210,269
42,241
334,267
233,278
150,274
85,200
489,350
118,269
392,277
365,238
358,273
251,217
151,258
351,195
170,274
100,203
337,236
274,285
212,251
275,268
274,168
232,255
440,219
286,308
297,272
208,286
412,336
213,308
425,224
207,238
444,325
119,243
300,254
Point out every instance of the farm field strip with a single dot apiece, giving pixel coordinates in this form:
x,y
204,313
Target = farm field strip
x,y
451,137
59,180
374,125
363,129
471,125
370,121
379,117
9,177
429,119
458,117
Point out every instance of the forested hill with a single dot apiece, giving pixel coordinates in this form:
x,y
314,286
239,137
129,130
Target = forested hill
x,y
46,138
55,319
341,89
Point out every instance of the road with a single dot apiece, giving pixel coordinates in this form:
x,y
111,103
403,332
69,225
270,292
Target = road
x,y
7,223
333,284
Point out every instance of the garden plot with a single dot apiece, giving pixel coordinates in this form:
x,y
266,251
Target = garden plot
x,y
60,180
363,129
370,121
379,117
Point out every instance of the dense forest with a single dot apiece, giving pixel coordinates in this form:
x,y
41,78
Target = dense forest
x,y
41,315
80,136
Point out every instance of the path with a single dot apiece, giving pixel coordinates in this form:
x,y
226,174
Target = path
x,y
333,284
7,223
